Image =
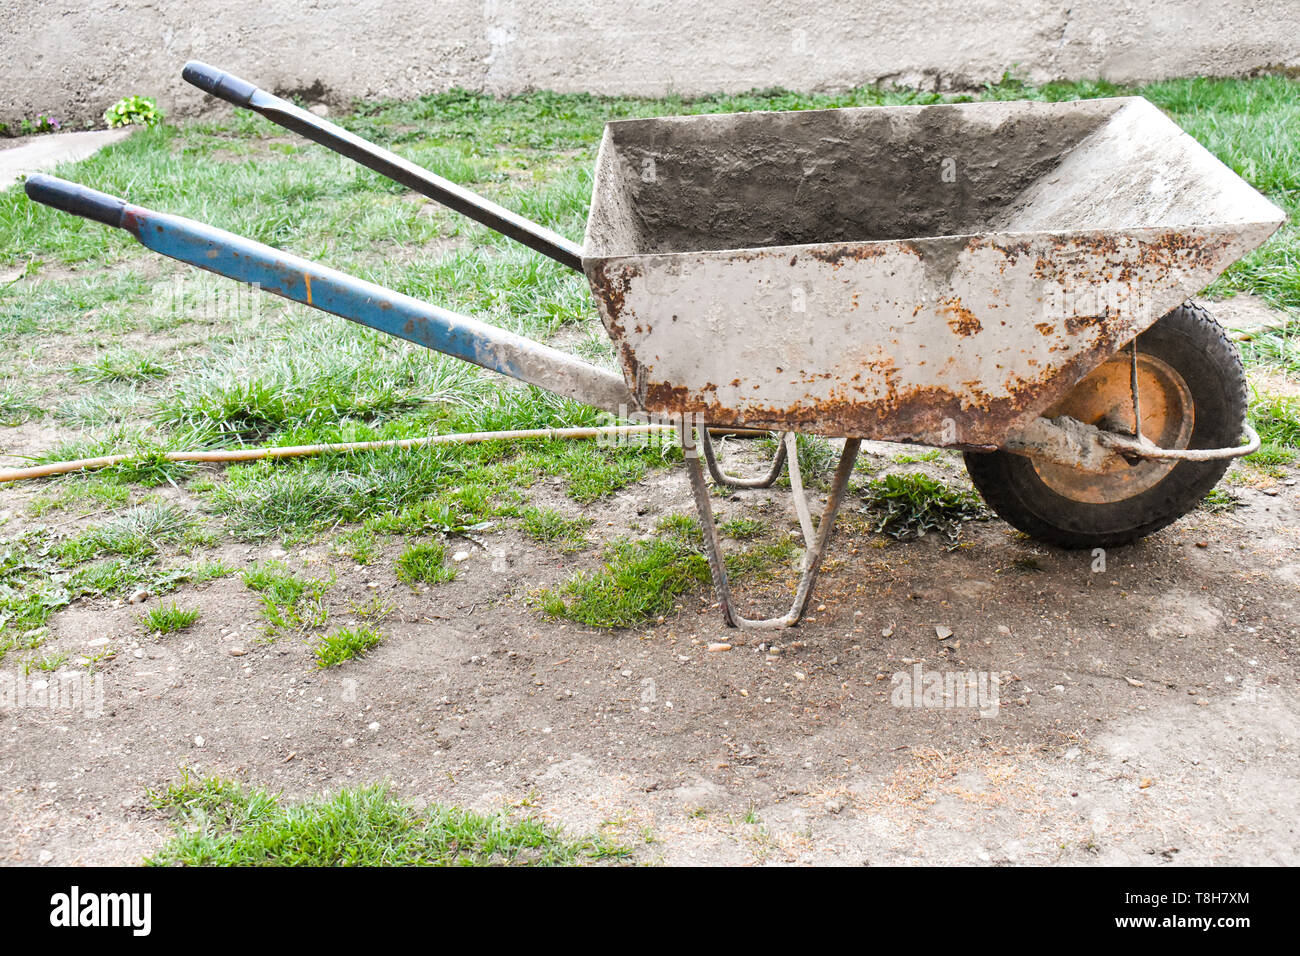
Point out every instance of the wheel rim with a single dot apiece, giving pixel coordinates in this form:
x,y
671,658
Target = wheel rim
x,y
1104,398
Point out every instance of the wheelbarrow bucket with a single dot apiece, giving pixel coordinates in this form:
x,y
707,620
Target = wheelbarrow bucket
x,y
932,274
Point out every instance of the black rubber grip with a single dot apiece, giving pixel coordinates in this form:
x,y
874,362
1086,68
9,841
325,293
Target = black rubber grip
x,y
218,82
76,199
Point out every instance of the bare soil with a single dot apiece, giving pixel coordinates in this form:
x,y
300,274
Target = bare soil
x,y
1146,712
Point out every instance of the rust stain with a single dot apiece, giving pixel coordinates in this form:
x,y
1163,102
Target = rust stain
x,y
306,278
921,413
961,320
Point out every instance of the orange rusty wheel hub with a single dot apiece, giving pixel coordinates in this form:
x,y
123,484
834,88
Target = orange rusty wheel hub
x,y
1104,398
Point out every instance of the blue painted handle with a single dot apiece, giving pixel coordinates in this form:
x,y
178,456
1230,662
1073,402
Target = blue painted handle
x,y
340,294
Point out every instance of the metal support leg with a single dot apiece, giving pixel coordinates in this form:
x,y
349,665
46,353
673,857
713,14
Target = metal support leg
x,y
812,557
723,478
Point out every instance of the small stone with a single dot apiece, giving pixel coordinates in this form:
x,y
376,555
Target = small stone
x,y
719,646
835,804
1132,682
45,857
373,725
1146,783
1004,630
139,597
319,109
800,675
942,632
198,741
887,631
138,653
237,652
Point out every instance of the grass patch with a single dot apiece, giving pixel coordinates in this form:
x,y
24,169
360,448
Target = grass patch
x,y
289,602
425,564
345,645
1277,419
120,365
18,405
221,823
168,619
548,526
433,489
912,505
1219,500
136,533
639,581
743,529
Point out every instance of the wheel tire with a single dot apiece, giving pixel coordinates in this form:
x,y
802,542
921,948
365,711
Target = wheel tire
x,y
1189,341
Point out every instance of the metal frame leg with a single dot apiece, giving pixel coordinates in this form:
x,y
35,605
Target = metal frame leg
x,y
812,557
722,478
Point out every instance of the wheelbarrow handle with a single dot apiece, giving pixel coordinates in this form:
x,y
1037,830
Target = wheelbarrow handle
x,y
242,93
329,290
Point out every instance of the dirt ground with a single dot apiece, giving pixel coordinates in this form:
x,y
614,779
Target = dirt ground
x,y
1145,712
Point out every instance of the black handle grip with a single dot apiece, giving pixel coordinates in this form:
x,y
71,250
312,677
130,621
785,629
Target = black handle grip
x,y
218,82
76,199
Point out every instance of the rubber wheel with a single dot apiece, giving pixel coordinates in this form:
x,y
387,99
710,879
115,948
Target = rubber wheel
x,y
1193,379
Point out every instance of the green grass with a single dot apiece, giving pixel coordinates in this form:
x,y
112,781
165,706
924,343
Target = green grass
x,y
345,645
138,532
221,823
1277,419
121,365
18,405
743,529
425,564
909,506
168,619
551,527
289,602
640,581
440,488
1219,500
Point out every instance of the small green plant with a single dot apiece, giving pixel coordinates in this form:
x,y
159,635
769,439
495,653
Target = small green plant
x,y
346,644
40,124
911,506
288,601
167,619
133,111
1219,500
423,563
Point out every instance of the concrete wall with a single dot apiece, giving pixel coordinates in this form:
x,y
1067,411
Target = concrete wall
x,y
73,58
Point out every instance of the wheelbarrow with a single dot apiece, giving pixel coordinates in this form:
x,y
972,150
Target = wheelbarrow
x,y
1008,279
